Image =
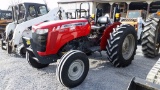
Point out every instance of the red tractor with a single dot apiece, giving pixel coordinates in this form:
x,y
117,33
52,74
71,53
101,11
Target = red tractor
x,y
70,41
50,40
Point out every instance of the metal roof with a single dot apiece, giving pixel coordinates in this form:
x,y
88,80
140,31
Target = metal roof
x,y
74,1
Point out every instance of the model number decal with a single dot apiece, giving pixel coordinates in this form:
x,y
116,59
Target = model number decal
x,y
72,26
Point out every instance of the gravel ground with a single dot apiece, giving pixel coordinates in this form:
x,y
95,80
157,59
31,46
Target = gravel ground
x,y
17,74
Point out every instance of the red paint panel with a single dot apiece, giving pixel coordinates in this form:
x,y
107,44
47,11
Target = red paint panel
x,y
58,38
106,35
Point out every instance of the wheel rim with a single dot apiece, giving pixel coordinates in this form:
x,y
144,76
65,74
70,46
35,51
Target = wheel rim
x,y
128,46
76,70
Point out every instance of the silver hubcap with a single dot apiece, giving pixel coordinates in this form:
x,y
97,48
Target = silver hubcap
x,y
128,46
76,70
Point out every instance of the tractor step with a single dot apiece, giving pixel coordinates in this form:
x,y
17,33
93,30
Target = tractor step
x,y
95,48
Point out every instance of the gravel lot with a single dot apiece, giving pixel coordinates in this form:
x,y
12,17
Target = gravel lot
x,y
17,74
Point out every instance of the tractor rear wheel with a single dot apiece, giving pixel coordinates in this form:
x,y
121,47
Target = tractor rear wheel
x,y
33,62
73,68
150,37
122,45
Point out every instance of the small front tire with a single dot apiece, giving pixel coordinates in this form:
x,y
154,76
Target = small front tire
x,y
73,68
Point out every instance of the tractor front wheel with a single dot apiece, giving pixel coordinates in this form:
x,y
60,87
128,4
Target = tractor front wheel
x,y
122,45
73,68
35,64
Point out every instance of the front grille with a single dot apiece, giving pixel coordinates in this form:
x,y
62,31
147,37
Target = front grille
x,y
40,41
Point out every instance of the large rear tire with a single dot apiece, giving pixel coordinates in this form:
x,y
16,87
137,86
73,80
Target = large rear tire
x,y
122,45
33,62
150,45
73,68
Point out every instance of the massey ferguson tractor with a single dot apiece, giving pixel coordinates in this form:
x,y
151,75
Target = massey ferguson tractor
x,y
135,18
25,15
150,48
70,41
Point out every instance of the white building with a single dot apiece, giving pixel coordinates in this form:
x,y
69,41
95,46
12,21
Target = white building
x,y
107,5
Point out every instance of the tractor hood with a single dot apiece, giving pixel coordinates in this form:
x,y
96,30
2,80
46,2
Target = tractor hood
x,y
60,24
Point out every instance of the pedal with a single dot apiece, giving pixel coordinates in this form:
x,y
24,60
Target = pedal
x,y
95,48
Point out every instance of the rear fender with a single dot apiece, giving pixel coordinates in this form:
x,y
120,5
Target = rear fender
x,y
106,35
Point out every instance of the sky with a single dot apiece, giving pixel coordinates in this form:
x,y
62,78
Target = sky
x,y
4,4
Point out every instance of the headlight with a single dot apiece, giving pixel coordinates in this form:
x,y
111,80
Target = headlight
x,y
42,31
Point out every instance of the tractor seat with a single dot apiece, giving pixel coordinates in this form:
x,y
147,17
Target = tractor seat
x,y
93,27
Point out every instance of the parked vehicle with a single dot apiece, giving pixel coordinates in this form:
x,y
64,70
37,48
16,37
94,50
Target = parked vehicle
x,y
5,18
25,15
150,48
72,40
137,19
